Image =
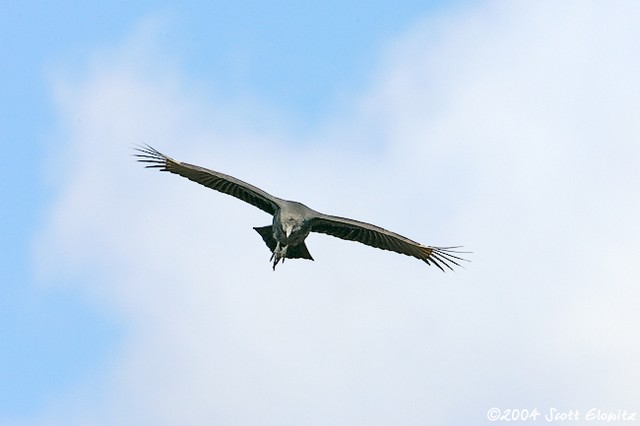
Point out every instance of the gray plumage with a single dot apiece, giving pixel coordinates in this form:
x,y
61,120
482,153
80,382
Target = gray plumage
x,y
293,221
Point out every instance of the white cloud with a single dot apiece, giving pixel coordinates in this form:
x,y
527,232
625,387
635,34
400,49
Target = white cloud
x,y
511,128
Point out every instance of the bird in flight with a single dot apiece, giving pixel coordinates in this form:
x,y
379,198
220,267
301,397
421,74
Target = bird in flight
x,y
293,221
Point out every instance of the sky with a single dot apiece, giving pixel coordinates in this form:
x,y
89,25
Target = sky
x,y
135,297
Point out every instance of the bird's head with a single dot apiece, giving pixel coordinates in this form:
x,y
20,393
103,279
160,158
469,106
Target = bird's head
x,y
291,227
288,229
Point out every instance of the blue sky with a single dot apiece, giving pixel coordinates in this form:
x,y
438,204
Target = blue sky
x,y
295,56
510,127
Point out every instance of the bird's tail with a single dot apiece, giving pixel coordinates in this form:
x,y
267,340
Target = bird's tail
x,y
293,252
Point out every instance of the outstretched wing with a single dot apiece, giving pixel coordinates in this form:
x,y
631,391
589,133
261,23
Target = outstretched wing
x,y
375,236
209,178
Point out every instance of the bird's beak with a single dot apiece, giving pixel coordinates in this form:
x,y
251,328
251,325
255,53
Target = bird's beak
x,y
287,230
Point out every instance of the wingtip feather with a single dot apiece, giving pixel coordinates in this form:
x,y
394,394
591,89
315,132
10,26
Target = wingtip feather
x,y
447,256
154,158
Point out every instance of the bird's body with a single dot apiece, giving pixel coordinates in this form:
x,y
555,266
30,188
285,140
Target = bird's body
x,y
291,226
293,221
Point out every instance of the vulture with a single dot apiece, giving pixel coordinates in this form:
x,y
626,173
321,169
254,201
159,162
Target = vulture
x,y
293,221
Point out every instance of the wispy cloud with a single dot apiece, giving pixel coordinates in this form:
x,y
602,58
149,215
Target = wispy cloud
x,y
509,128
